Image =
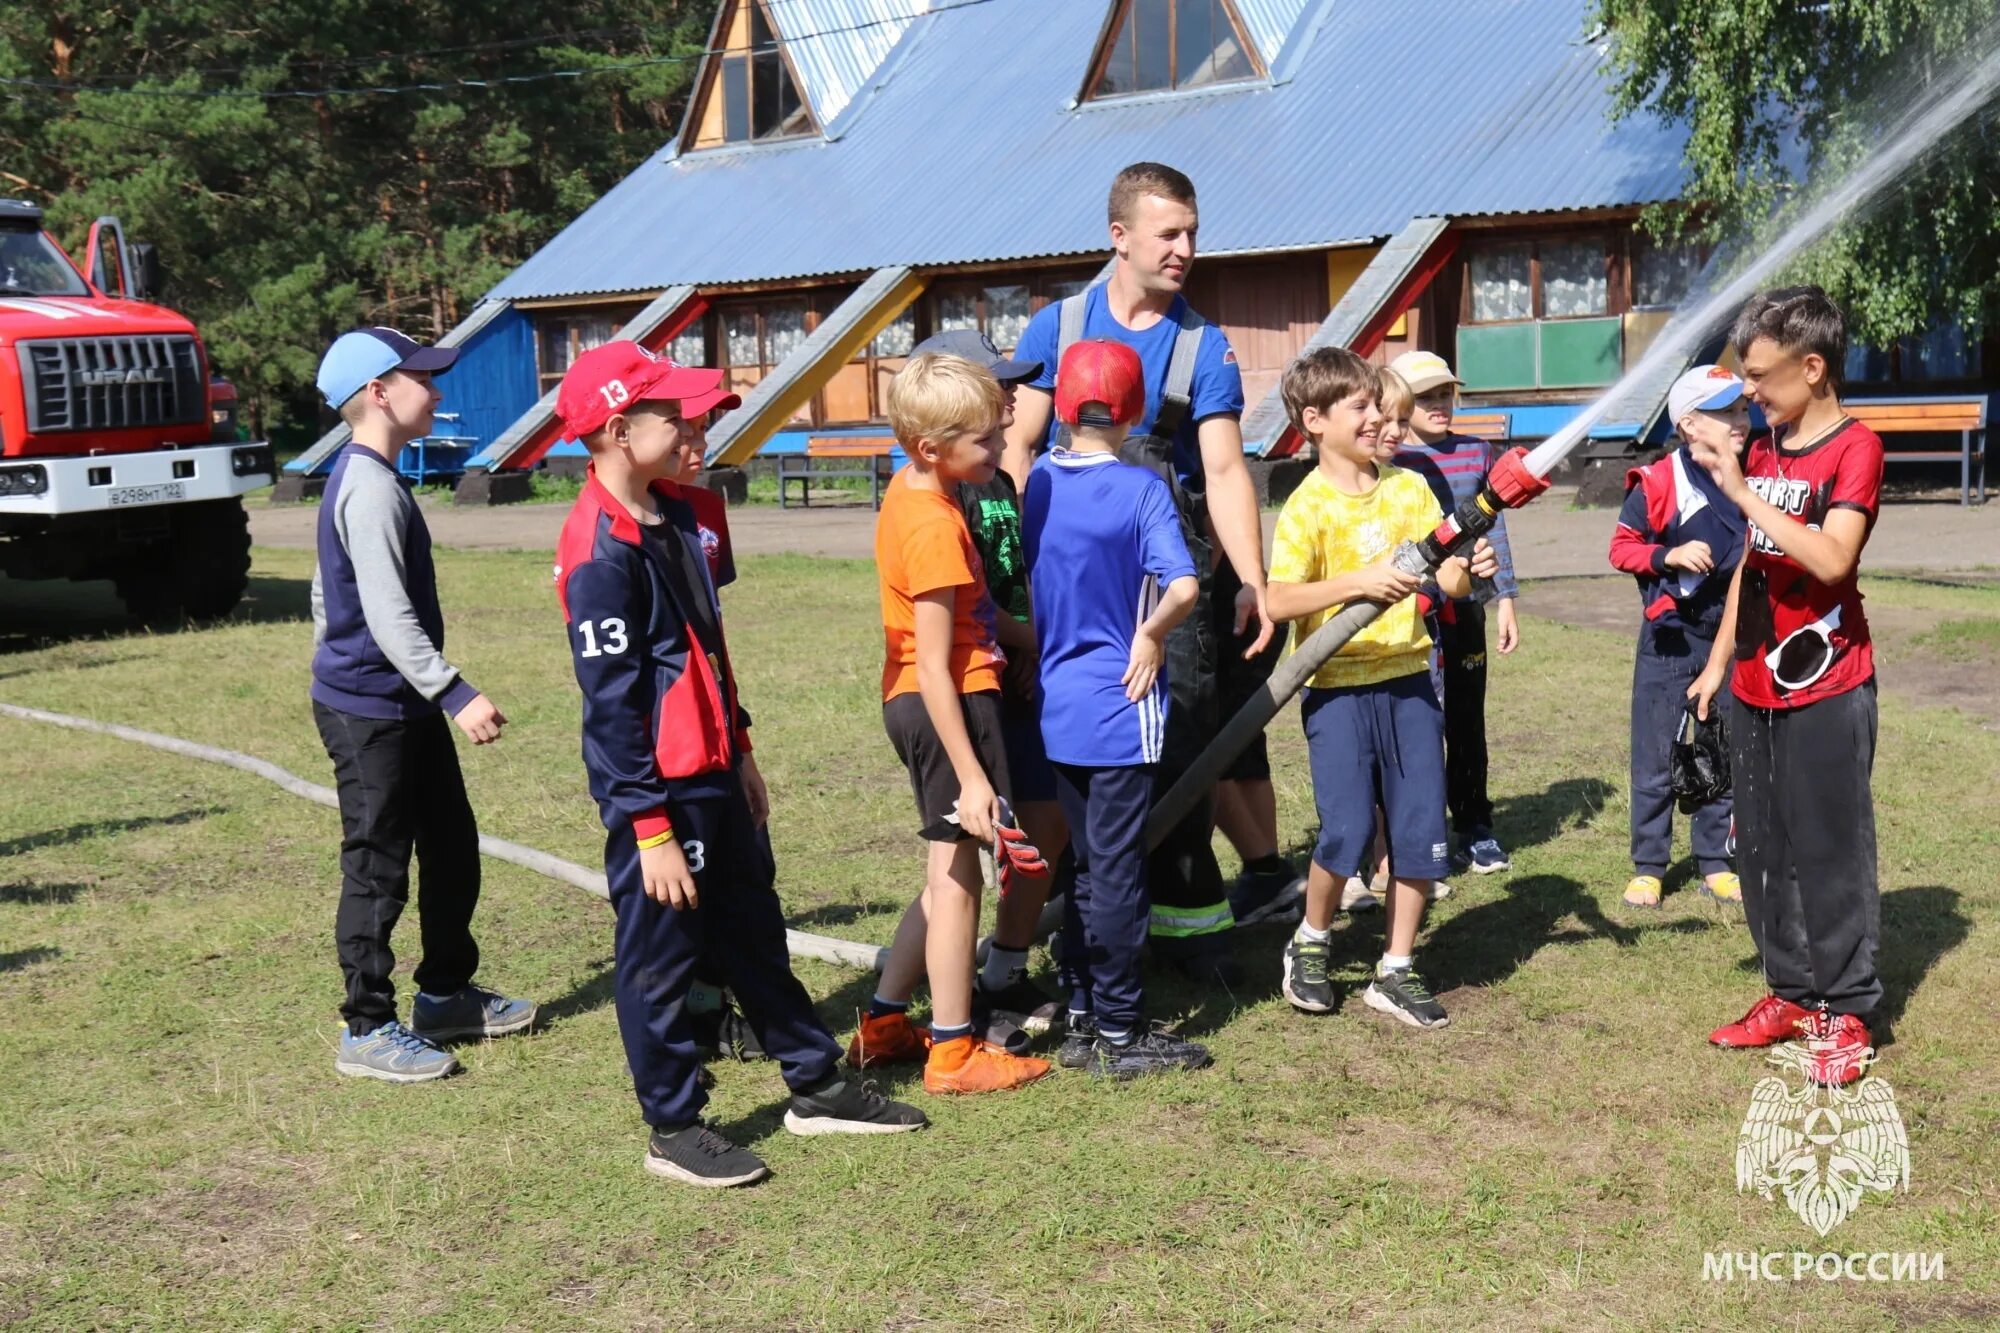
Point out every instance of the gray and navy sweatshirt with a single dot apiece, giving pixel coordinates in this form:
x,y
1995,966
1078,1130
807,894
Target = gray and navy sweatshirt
x,y
378,635
1455,469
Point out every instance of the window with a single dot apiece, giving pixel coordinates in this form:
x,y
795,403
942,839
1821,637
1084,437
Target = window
x,y
30,265
690,345
1157,45
1661,274
1574,280
1501,281
561,339
1001,311
750,93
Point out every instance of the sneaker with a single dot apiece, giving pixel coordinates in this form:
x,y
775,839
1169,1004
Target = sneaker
x,y
1026,1005
967,1065
1724,887
1770,1021
1485,856
1355,896
697,1155
393,1054
1403,995
1270,896
1439,891
1078,1040
473,1012
887,1039
1838,1048
1305,984
1643,891
1148,1053
850,1106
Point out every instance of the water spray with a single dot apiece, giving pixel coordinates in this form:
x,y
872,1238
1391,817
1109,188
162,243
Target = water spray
x,y
1522,474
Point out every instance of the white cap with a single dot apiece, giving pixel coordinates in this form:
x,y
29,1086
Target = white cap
x,y
1423,371
1703,389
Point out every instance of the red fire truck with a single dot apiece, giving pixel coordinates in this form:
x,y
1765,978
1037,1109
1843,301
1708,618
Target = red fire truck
x,y
118,450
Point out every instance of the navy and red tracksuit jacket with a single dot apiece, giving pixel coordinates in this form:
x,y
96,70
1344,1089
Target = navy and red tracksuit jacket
x,y
1668,503
660,715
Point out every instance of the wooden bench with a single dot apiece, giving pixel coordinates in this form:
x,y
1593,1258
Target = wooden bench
x,y
1486,425
829,457
1940,415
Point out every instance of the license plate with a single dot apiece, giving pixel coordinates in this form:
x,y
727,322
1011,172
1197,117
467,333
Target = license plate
x,y
148,495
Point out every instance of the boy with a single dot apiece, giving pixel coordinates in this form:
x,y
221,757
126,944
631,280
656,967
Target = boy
x,y
1007,1007
1456,467
1680,538
666,745
1103,538
381,688
1374,727
1802,728
941,707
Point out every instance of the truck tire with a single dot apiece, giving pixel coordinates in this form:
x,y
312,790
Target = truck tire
x,y
211,558
145,583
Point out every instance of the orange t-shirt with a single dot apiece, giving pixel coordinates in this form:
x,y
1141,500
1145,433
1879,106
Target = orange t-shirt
x,y
922,545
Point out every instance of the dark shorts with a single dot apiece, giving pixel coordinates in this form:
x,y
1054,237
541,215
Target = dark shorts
x,y
1236,679
1383,740
932,779
1028,767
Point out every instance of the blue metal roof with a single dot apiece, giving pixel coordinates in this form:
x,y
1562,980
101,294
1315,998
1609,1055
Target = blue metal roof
x,y
966,147
839,44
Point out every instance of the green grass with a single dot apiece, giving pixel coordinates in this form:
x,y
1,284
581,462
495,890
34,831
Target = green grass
x,y
176,1152
1965,640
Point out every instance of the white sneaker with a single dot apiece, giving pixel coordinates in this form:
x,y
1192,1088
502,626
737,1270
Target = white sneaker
x,y
1355,897
1439,891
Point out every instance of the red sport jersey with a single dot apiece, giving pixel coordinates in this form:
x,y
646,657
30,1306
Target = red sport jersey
x,y
1799,640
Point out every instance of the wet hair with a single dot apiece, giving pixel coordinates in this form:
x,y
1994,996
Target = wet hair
x,y
1144,178
1802,320
939,397
1322,377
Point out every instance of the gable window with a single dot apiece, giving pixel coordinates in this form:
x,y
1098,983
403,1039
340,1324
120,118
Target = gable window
x,y
749,92
1157,45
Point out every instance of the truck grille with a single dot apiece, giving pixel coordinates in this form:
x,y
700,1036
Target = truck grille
x,y
112,383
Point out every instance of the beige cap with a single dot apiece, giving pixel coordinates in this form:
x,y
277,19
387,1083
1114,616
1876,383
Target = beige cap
x,y
1424,371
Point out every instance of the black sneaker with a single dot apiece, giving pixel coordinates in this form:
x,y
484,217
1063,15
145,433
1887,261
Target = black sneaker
x,y
1267,896
1403,995
1078,1040
997,1028
697,1155
1148,1053
1026,1005
1306,985
850,1105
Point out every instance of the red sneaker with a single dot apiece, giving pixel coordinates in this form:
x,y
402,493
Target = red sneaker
x,y
1838,1048
887,1039
1770,1021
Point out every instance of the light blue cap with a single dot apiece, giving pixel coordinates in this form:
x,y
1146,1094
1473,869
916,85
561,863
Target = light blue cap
x,y
369,354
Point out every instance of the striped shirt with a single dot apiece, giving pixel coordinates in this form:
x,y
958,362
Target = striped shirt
x,y
1455,468
1102,540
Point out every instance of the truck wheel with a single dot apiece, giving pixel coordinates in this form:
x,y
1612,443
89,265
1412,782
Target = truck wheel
x,y
146,585
211,558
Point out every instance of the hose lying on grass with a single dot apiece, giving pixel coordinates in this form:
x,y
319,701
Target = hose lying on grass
x,y
802,944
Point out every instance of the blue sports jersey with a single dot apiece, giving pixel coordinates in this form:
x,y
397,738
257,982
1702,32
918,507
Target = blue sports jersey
x,y
1102,540
1218,384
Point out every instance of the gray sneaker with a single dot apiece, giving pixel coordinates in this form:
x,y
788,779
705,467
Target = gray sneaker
x,y
473,1012
393,1054
1403,996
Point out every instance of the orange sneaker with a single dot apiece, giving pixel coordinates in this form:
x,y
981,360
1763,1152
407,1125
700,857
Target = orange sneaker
x,y
887,1039
967,1064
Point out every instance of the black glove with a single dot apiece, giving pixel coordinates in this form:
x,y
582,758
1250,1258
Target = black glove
x,y
1698,760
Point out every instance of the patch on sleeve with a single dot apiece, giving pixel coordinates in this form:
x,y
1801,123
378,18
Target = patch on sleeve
x,y
1229,356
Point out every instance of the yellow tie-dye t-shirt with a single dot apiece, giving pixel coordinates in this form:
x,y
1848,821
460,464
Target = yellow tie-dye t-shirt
x,y
1324,532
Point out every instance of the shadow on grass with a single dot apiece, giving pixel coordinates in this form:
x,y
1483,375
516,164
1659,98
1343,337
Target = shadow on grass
x,y
39,894
20,958
1487,944
42,614
1920,925
99,828
1529,821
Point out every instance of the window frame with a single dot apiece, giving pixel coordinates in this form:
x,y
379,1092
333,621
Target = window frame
x,y
1620,248
708,85
1107,41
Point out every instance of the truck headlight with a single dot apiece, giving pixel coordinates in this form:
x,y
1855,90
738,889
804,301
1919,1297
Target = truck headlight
x,y
32,479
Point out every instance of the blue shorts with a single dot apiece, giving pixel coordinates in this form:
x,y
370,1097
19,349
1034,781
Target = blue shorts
x,y
1028,767
1372,745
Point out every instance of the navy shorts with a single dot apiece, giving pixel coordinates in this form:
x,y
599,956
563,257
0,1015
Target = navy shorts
x,y
1028,767
1379,744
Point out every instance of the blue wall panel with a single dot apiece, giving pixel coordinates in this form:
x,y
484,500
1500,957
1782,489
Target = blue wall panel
x,y
493,381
